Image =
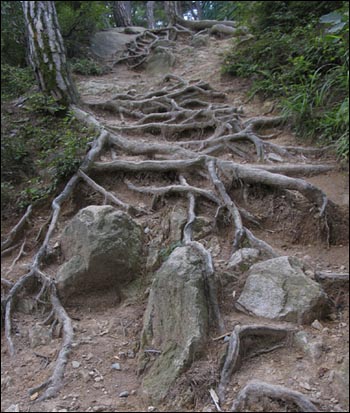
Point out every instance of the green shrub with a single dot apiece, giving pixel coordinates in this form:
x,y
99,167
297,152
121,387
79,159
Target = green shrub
x,y
15,81
87,67
305,68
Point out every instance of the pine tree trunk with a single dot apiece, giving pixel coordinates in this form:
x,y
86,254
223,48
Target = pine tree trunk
x,y
199,8
122,13
150,14
46,52
171,9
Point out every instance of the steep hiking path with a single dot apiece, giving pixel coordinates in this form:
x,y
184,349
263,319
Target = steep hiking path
x,y
182,151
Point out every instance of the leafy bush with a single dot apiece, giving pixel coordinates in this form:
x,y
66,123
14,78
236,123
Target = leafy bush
x,y
15,81
305,67
87,67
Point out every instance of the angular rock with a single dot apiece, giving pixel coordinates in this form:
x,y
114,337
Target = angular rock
x,y
341,382
202,227
311,347
200,41
110,42
178,219
243,258
279,289
176,321
160,61
39,335
102,248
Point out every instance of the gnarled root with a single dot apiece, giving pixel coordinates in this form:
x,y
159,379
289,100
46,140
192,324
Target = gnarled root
x,y
239,348
257,389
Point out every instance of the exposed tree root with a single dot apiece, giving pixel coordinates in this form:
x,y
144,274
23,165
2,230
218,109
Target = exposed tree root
x,y
241,340
257,390
16,230
201,127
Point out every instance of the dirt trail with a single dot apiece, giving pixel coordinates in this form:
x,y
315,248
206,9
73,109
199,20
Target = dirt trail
x,y
107,332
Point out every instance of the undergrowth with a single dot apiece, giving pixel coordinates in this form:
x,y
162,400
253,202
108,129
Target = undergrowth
x,y
305,68
42,144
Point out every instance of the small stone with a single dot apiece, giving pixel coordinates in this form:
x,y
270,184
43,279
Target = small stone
x,y
98,379
89,356
124,394
131,354
147,230
12,408
342,325
339,359
116,366
75,364
151,409
317,325
305,386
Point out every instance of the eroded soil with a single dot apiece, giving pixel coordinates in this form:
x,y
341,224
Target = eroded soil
x,y
107,331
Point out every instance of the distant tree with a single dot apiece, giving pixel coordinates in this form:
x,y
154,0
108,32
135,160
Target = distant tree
x,y
13,37
122,13
150,14
172,10
79,20
46,52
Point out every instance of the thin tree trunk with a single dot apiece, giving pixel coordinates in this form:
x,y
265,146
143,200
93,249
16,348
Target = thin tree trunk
x,y
122,13
46,52
171,9
150,14
199,8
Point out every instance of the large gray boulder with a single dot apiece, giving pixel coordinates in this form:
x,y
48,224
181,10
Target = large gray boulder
x,y
102,248
279,289
176,321
112,42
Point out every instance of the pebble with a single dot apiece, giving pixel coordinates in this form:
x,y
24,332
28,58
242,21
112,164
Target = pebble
x,y
116,366
12,408
151,409
342,325
124,394
131,354
317,325
75,364
98,379
305,386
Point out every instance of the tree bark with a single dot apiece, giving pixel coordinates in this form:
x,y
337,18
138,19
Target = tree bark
x,y
46,52
150,14
121,13
171,9
199,9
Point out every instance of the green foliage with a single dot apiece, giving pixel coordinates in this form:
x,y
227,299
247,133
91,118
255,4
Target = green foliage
x,y
13,43
221,10
79,20
15,81
87,67
39,152
40,103
306,67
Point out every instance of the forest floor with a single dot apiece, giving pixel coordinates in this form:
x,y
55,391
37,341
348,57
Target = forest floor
x,y
108,332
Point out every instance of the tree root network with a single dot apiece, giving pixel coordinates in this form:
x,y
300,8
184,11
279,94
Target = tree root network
x,y
192,132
